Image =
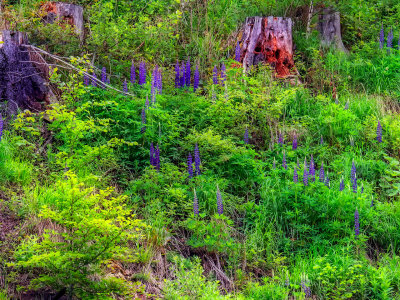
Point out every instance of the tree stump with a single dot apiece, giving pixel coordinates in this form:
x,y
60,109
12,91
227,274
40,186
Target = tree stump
x,y
21,85
65,13
329,29
268,39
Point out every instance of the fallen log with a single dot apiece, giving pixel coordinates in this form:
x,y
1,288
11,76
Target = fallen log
x,y
268,40
21,84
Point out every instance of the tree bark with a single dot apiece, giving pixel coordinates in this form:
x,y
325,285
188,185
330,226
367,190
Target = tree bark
x,y
21,85
269,40
329,28
65,12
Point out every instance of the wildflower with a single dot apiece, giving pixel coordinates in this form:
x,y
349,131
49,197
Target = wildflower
x,y
322,140
362,188
104,75
152,152
306,289
280,139
355,184
322,173
341,186
196,79
223,74
237,52
379,132
246,136
372,202
381,37
195,204
188,75
1,126
284,161
142,73
183,76
356,224
147,103
327,183
312,169
133,74
220,207
295,175
86,79
347,105
305,173
353,171
197,160
94,80
157,158
389,41
190,165
143,130
294,145
125,87
177,75
274,164
159,82
351,141
154,84
215,75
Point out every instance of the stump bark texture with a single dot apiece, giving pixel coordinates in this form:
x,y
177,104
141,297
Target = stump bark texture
x,y
21,84
268,39
65,13
329,29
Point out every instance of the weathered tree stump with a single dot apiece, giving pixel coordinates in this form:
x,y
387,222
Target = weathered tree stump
x,y
329,28
21,85
65,13
268,39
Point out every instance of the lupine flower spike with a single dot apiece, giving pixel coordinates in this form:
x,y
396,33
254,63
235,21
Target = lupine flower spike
x,y
305,173
237,52
147,103
157,158
362,188
322,173
322,140
280,139
103,76
1,126
327,183
142,73
195,204
294,145
312,169
190,165
197,161
188,73
215,75
356,224
143,129
177,75
133,74
94,82
390,39
347,105
183,76
152,152
341,186
381,37
223,74
355,184
196,79
284,161
246,136
295,175
86,79
372,202
125,87
379,132
220,207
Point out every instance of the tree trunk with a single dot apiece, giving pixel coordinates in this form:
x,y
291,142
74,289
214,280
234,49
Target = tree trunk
x,y
329,28
65,13
21,85
268,39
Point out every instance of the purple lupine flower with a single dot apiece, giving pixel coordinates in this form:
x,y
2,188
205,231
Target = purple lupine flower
x,y
215,75
353,171
246,136
153,84
312,169
295,176
322,173
280,139
322,140
196,79
157,158
220,207
381,37
86,80
398,43
355,184
389,41
306,289
125,87
195,204
133,73
274,164
152,152
327,183
305,173
284,161
177,75
347,105
237,52
94,82
1,126
188,73
183,75
294,145
197,161
287,281
372,202
142,73
362,188
341,186
143,129
356,224
223,74
190,165
104,75
379,132
147,103
159,82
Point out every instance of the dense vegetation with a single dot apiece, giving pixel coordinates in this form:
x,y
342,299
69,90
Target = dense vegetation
x,y
222,186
